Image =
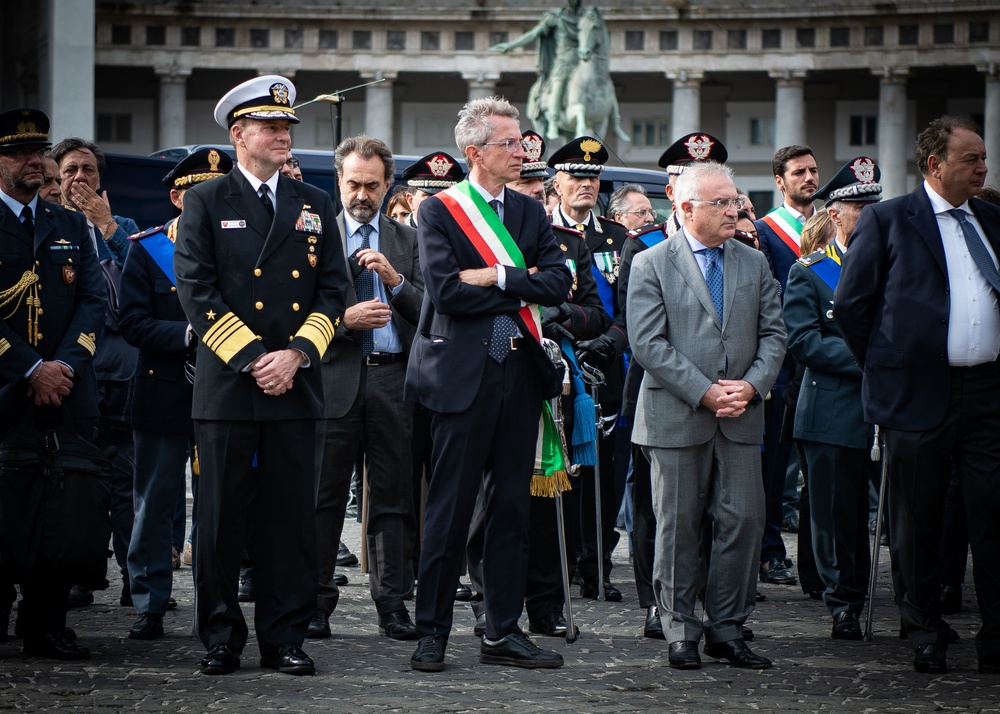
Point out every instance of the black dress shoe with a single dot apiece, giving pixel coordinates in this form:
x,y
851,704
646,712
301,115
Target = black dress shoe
x,y
846,626
397,625
221,659
760,597
990,664
776,572
289,659
125,599
319,626
518,651
79,597
480,628
54,646
746,633
951,599
345,557
551,625
738,654
684,655
339,579
653,628
611,593
247,592
147,627
171,604
463,593
429,655
930,659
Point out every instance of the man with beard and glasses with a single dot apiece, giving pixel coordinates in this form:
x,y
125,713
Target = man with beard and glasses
x,y
363,373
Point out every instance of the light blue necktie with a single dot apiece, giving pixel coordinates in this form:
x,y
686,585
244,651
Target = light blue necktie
x,y
713,277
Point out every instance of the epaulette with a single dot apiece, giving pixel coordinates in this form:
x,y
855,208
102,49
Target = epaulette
x,y
611,222
643,230
148,232
556,228
812,258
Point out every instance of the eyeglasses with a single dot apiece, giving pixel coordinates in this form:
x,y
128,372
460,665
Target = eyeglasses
x,y
23,153
510,145
292,163
651,212
724,203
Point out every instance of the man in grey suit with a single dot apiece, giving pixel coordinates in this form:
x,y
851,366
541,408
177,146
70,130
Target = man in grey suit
x,y
363,373
709,333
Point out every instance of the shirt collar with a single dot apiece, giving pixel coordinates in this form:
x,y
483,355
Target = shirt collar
x,y
795,212
16,206
696,245
486,194
353,225
255,183
940,204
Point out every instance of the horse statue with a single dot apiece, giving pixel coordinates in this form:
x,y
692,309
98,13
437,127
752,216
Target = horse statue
x,y
591,103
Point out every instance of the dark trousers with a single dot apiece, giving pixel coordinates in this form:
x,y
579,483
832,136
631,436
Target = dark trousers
x,y
838,507
919,469
775,467
809,578
643,528
955,538
610,496
160,461
380,423
491,443
116,437
282,544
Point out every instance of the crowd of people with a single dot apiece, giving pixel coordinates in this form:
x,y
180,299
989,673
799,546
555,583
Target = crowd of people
x,y
487,347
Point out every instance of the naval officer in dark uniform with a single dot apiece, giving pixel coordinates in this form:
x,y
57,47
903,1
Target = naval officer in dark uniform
x,y
52,301
261,276
152,320
828,416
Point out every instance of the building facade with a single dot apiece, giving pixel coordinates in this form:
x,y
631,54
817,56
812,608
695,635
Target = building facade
x,y
847,78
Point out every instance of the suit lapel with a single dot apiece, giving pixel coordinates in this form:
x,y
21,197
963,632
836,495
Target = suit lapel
x,y
990,228
44,225
730,280
246,202
289,207
687,266
11,224
921,214
351,296
513,216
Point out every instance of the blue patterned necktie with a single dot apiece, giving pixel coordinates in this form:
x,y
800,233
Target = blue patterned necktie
x,y
713,277
504,327
364,288
977,250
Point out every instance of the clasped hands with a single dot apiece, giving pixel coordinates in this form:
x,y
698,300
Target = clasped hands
x,y
484,277
274,371
728,397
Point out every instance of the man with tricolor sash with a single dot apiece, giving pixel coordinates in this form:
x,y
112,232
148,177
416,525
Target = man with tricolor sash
x,y
262,277
153,321
829,419
477,364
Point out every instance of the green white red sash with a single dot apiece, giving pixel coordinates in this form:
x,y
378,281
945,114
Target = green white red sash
x,y
787,227
491,239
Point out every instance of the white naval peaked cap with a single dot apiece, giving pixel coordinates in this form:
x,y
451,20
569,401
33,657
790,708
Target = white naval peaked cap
x,y
269,96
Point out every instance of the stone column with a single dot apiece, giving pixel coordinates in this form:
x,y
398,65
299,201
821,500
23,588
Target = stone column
x,y
481,84
892,129
66,69
686,102
789,107
379,107
991,119
172,129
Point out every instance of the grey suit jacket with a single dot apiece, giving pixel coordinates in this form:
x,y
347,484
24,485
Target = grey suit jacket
x,y
676,337
342,361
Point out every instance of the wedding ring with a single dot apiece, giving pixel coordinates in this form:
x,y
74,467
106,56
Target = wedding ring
x,y
270,385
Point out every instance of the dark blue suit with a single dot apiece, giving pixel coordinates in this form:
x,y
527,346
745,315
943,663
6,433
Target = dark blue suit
x,y
892,305
152,320
835,438
484,413
780,258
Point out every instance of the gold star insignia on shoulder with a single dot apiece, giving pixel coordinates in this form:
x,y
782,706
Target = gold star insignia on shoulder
x,y
210,314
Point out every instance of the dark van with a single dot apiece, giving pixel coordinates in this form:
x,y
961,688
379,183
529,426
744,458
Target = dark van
x,y
135,183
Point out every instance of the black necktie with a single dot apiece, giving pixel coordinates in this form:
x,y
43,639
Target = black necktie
x,y
977,250
364,288
265,198
504,327
27,222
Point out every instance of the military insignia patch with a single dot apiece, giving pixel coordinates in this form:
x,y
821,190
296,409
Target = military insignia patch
x,y
699,147
439,165
308,222
68,274
533,146
280,93
589,146
863,169
210,315
312,260
213,161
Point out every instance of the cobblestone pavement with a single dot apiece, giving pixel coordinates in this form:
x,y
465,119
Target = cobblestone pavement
x,y
611,668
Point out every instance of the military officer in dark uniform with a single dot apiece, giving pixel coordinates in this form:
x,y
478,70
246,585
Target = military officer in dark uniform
x,y
578,165
683,152
152,320
428,176
828,417
52,300
262,278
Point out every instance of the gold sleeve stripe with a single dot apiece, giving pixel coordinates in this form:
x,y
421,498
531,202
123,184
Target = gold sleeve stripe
x,y
4,345
228,336
317,329
87,342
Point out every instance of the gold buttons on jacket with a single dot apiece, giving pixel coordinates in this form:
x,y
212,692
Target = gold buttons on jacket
x,y
150,373
295,306
295,273
173,289
259,305
258,272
